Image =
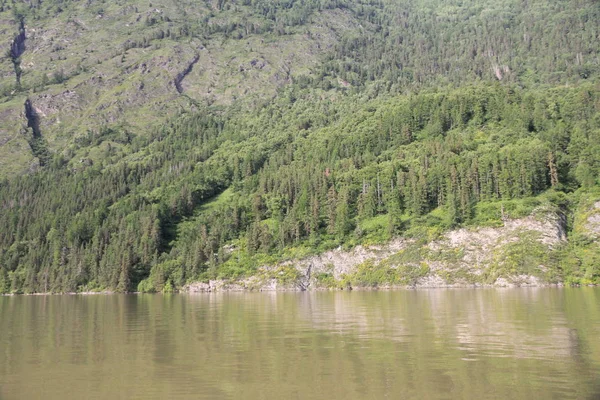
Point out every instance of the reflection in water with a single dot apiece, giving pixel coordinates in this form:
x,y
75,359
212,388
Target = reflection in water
x,y
497,343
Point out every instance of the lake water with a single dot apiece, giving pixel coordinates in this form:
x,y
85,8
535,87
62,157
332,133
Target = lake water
x,y
425,344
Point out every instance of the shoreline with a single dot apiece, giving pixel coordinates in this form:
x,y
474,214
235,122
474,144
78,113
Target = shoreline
x,y
296,290
470,258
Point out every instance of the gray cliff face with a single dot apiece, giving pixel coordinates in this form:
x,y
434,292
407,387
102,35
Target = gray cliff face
x,y
460,258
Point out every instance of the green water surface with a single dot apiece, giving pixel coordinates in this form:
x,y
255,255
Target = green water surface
x,y
539,343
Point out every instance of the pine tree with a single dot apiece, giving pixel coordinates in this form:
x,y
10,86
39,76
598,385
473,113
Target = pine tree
x,y
332,203
342,214
124,284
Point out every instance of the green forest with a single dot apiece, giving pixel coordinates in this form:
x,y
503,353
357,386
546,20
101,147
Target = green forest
x,y
424,116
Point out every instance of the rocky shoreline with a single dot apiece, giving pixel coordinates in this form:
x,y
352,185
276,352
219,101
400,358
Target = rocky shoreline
x,y
508,256
222,286
237,286
463,258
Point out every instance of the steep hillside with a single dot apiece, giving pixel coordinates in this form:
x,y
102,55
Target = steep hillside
x,y
92,67
217,196
150,145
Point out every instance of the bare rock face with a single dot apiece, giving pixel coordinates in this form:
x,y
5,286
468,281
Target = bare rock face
x,y
340,262
550,228
65,101
519,280
482,247
247,284
451,261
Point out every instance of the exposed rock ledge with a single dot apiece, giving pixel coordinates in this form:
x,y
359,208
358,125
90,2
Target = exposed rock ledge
x,y
460,258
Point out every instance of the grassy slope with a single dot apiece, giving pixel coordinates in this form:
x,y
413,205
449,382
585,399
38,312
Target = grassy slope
x,y
80,76
105,68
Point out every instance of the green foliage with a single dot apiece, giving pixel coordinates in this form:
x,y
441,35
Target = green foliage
x,y
326,280
372,274
380,137
211,195
286,275
527,256
240,265
374,230
413,254
145,286
581,258
168,287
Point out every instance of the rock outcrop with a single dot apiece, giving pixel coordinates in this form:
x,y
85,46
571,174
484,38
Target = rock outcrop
x,y
464,257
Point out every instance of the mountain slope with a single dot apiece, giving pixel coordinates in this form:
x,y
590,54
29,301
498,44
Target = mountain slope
x,y
149,145
88,66
128,65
